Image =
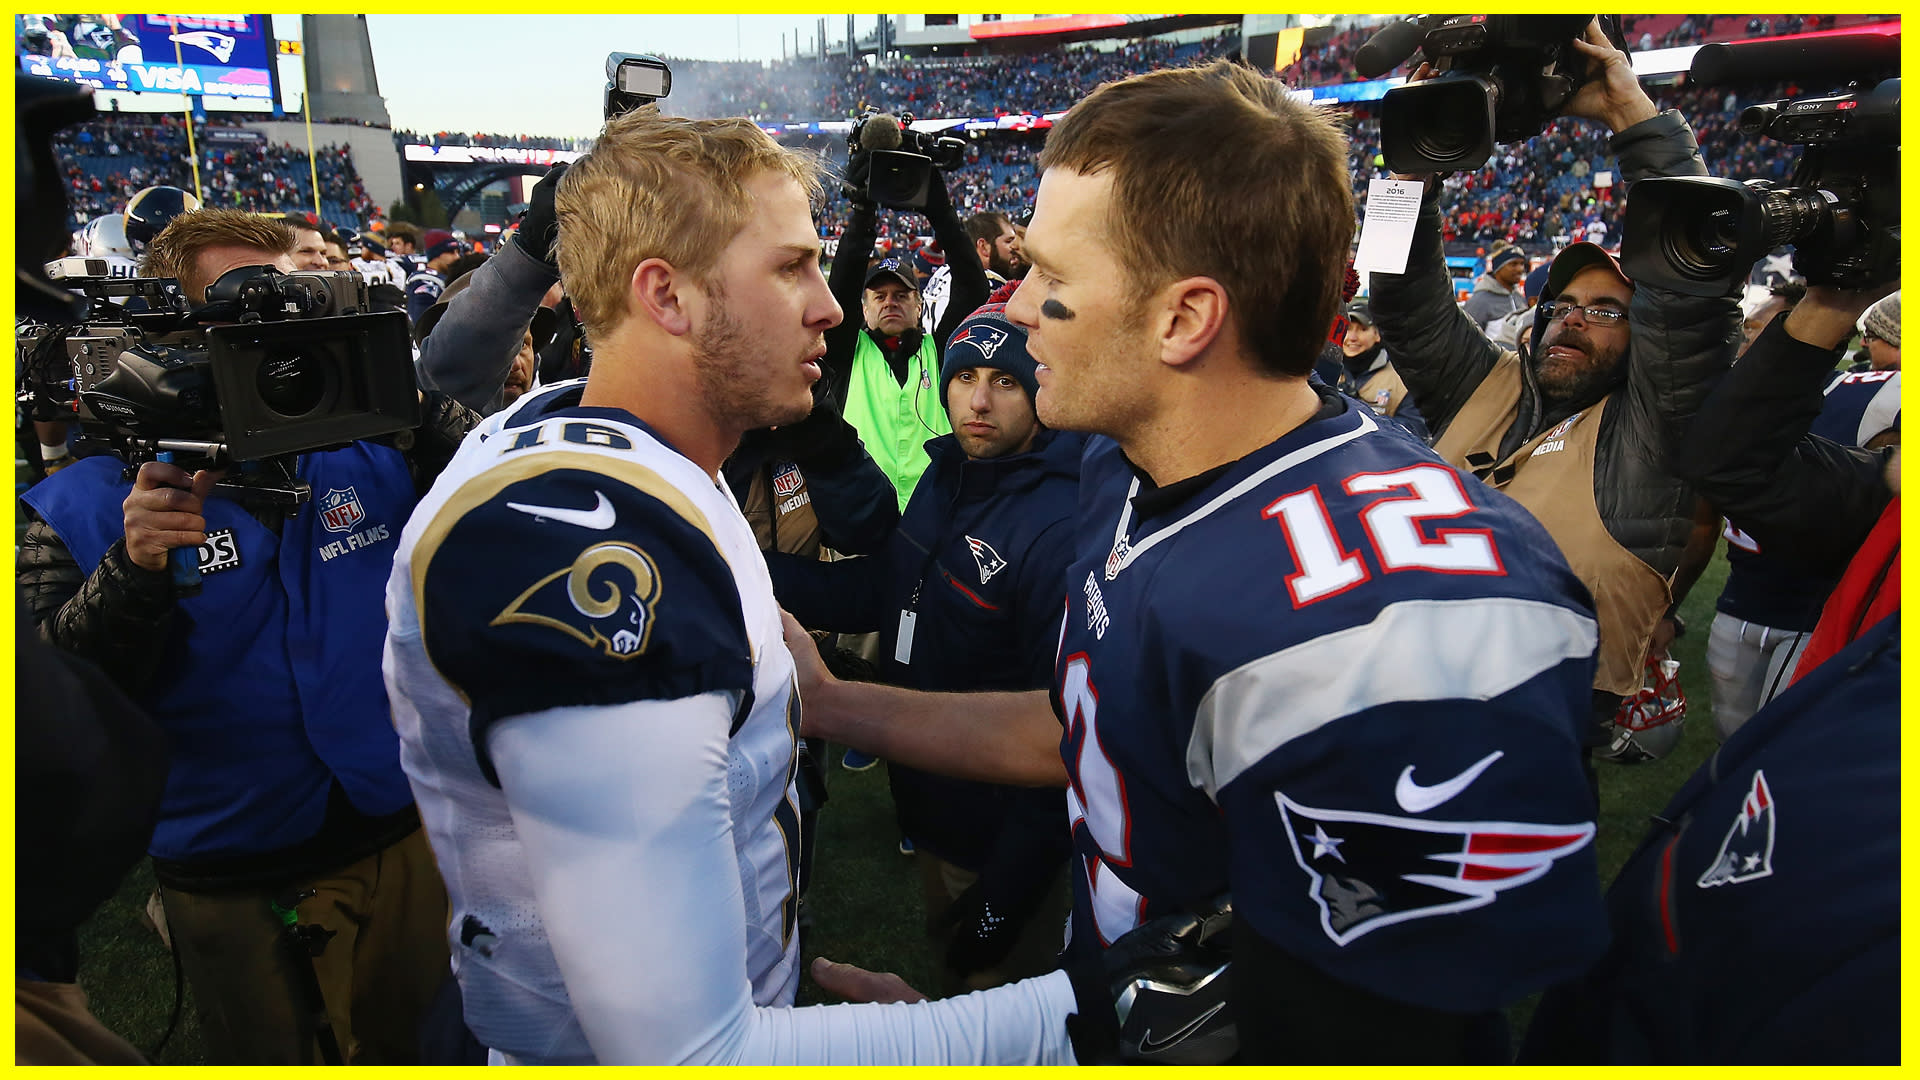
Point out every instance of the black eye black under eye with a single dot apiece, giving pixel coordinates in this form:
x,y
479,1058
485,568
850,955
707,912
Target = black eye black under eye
x,y
1054,309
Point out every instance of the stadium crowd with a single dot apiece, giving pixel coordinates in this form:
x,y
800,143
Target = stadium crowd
x,y
109,159
861,475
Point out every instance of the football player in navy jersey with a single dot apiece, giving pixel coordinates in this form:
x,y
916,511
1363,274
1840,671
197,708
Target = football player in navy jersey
x,y
1304,664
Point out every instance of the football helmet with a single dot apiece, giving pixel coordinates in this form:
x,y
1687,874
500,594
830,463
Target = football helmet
x,y
1648,724
105,236
151,208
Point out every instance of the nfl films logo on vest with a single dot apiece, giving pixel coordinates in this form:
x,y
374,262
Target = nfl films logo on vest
x,y
340,510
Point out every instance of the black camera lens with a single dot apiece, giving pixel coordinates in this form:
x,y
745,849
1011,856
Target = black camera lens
x,y
291,383
1793,215
1704,245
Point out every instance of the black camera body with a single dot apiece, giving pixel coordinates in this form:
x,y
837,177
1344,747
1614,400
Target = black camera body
x,y
299,363
1500,79
898,161
1840,210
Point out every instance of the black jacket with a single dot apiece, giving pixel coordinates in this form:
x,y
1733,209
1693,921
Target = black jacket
x,y
1750,453
980,557
848,281
1680,345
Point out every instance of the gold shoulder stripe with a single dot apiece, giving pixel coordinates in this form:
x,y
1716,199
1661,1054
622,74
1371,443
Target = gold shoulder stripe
x,y
482,488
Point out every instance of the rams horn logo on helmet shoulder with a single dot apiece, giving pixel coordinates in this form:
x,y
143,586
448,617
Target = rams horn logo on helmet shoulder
x,y
595,603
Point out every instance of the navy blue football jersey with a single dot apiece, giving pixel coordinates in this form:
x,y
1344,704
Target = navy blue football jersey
x,y
1346,682
1859,406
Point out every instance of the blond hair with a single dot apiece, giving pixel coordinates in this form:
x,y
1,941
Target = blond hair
x,y
175,253
660,187
1218,173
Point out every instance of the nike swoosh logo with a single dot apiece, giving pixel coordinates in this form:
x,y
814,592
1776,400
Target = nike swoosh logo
x,y
599,518
1418,798
1148,1045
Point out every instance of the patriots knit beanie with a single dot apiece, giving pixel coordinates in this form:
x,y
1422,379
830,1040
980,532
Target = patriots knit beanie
x,y
1883,319
987,339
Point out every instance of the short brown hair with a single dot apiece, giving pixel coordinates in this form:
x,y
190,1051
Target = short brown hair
x,y
403,230
660,187
175,253
987,225
1218,172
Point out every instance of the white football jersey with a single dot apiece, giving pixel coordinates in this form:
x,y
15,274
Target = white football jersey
x,y
569,558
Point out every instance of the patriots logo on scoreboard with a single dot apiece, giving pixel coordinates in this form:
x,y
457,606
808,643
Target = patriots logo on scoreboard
x,y
220,45
1366,871
987,559
1747,851
605,600
986,340
786,479
340,510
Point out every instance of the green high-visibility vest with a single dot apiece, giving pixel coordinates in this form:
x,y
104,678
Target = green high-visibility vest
x,y
896,421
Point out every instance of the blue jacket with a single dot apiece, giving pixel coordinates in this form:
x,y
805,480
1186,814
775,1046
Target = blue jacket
x,y
270,690
979,558
1760,920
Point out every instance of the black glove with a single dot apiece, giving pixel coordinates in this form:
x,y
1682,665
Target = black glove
x,y
1160,994
823,439
854,183
540,228
983,932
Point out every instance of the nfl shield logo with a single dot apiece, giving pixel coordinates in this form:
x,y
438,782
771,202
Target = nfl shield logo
x,y
786,481
340,510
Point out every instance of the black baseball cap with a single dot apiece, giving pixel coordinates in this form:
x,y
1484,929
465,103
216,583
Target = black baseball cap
x,y
1357,311
895,269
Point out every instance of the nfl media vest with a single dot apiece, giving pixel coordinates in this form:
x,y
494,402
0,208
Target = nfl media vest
x,y
1383,390
895,421
1552,476
270,687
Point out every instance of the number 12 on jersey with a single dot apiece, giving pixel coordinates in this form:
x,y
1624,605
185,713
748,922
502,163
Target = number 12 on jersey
x,y
1396,524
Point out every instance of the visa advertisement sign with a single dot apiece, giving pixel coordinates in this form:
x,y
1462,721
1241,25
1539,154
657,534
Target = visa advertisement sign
x,y
220,55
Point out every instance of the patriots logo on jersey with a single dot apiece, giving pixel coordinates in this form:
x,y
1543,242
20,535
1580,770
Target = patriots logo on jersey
x,y
1368,870
340,510
605,599
986,340
987,559
1747,851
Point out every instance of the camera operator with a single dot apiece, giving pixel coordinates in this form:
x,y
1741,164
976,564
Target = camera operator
x,y
285,803
1578,429
1812,503
1747,851
880,367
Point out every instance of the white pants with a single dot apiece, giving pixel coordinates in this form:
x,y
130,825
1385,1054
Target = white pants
x,y
1751,664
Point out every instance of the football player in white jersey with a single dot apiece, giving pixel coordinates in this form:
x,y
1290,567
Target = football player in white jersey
x,y
585,660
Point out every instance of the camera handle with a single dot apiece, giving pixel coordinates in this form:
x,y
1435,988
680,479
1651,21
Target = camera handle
x,y
183,564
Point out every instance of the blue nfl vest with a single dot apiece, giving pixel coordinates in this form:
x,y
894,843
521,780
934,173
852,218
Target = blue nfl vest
x,y
270,685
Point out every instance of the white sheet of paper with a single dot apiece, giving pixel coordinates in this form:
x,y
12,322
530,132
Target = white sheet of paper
x,y
903,644
1386,235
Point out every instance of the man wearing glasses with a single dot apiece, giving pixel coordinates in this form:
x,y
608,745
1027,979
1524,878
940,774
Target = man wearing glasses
x,y
1578,427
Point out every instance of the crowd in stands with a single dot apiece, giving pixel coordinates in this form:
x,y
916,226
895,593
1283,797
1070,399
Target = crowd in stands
x,y
403,137
110,159
809,89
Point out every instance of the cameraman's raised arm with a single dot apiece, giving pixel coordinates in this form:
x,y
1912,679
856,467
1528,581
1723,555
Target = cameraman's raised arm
x,y
970,287
471,349
1437,349
846,280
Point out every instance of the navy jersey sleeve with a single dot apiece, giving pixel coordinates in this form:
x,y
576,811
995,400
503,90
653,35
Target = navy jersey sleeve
x,y
1419,827
564,586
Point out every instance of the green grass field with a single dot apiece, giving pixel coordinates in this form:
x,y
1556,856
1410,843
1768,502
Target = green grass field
x,y
865,896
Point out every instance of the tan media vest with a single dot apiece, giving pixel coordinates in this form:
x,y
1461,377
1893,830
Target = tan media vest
x,y
1552,476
